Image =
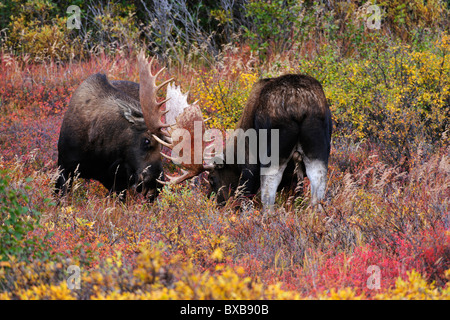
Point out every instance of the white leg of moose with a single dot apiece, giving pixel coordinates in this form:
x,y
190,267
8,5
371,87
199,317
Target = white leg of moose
x,y
316,171
269,185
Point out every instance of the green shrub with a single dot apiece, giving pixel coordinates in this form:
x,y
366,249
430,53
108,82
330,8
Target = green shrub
x,y
17,220
274,25
39,29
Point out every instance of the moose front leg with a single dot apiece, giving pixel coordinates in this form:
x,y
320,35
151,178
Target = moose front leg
x,y
248,183
63,183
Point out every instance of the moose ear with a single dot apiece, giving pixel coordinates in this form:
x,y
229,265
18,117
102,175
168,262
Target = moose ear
x,y
219,162
219,165
131,113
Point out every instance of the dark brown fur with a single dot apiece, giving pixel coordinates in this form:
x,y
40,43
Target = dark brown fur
x,y
297,107
104,137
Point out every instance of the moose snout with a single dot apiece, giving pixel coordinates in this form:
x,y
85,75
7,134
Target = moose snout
x,y
147,182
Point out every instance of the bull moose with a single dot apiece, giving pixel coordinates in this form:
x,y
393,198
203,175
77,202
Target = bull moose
x,y
107,133
295,107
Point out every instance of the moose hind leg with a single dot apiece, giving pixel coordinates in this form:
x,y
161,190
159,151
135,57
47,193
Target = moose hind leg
x,y
299,171
269,184
316,171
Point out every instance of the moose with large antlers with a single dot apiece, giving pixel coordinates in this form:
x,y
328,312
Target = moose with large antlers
x,y
107,133
112,130
292,106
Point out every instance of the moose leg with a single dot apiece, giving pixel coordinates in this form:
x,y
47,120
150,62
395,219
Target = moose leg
x,y
64,182
115,183
300,172
248,185
316,170
269,185
61,183
315,144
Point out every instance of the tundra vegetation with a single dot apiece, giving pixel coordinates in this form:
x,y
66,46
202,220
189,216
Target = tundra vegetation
x,y
387,199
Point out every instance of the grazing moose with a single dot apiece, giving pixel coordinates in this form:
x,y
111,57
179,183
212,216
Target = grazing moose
x,y
107,133
294,107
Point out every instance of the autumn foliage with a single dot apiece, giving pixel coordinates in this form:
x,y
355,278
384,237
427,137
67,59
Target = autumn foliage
x,y
387,200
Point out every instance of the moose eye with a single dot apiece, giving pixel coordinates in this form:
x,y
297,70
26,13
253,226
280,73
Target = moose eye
x,y
146,144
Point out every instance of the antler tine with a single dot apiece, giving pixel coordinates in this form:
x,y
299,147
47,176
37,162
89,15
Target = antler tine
x,y
159,71
169,145
208,167
209,147
151,60
209,140
208,156
164,83
165,125
178,179
166,134
148,94
175,160
184,116
162,102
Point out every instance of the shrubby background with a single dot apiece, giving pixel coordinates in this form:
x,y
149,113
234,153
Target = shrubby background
x,y
389,175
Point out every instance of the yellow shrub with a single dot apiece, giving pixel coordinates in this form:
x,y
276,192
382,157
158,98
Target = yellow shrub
x,y
46,292
154,277
398,97
223,99
341,294
415,288
47,41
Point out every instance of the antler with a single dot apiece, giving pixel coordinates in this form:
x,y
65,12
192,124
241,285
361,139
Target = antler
x,y
148,93
190,120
